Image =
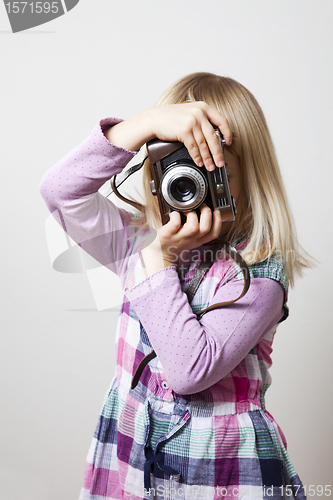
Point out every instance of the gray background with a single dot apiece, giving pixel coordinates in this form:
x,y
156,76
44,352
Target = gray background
x,y
107,58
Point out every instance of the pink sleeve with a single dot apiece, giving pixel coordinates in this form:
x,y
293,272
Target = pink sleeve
x,y
70,190
195,354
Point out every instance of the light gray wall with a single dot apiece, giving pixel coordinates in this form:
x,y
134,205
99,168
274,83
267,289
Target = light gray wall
x,y
107,58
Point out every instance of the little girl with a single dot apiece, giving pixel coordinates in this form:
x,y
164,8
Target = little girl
x,y
195,424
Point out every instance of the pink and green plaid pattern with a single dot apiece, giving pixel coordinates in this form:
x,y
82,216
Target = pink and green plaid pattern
x,y
220,443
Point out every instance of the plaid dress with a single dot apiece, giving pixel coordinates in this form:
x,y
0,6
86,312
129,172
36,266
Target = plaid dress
x,y
220,443
152,442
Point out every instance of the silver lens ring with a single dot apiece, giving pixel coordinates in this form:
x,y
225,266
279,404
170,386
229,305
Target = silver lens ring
x,y
194,177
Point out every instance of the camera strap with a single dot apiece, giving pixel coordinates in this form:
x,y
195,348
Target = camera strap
x,y
204,266
199,274
125,176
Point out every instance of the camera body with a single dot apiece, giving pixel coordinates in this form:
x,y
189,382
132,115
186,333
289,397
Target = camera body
x,y
182,186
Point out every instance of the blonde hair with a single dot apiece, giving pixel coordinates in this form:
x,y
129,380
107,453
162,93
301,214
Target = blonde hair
x,y
263,215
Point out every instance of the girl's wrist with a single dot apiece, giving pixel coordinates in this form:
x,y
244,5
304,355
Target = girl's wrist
x,y
154,261
132,133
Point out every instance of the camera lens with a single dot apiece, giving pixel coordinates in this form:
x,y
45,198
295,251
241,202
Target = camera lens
x,y
183,189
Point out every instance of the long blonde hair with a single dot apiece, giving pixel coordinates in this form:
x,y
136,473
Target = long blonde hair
x,y
263,215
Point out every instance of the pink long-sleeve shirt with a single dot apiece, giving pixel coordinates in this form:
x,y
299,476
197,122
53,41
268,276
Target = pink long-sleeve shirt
x,y
211,353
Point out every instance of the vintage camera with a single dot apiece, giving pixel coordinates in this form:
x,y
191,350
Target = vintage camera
x,y
182,186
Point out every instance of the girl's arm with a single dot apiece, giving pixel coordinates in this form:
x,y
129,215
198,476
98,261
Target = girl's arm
x,y
190,123
195,354
70,190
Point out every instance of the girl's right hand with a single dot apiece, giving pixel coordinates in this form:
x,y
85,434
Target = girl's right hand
x,y
190,123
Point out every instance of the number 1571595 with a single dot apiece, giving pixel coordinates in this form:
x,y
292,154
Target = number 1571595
x,y
32,7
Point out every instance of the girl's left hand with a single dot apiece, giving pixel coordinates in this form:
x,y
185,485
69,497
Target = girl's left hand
x,y
173,238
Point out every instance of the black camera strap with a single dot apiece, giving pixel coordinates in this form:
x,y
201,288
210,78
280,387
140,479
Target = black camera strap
x,y
125,176
200,272
192,289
